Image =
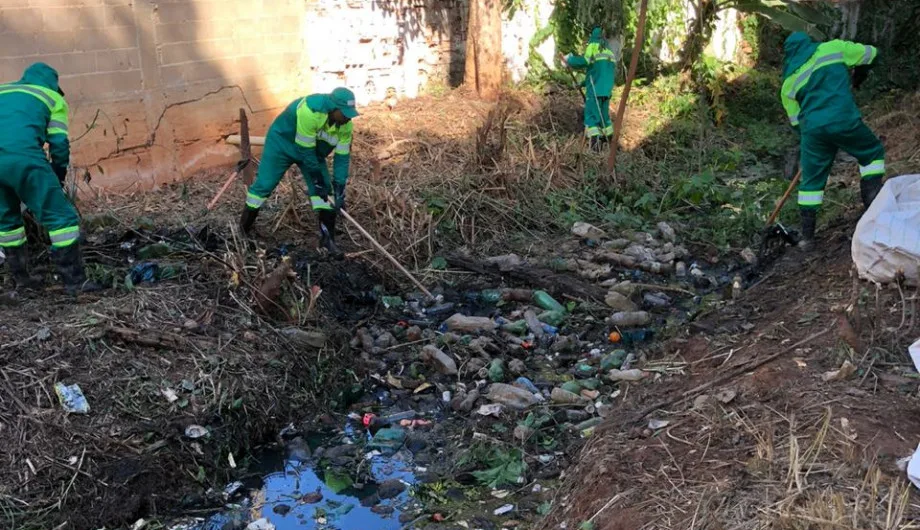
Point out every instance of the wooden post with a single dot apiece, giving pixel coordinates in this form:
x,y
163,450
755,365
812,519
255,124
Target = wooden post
x,y
621,110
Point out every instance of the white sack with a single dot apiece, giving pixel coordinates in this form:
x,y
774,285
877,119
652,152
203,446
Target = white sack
x,y
887,238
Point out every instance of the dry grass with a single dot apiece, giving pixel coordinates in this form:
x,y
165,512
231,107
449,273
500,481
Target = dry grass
x,y
197,336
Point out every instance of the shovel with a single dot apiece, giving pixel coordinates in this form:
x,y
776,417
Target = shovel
x,y
776,236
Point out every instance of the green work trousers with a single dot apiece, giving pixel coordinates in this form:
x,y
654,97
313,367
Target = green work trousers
x,y
280,154
29,179
597,117
819,147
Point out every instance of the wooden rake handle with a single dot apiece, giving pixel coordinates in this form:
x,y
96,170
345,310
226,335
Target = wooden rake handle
x,y
782,201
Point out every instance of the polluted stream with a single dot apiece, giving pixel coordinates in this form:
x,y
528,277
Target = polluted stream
x,y
466,409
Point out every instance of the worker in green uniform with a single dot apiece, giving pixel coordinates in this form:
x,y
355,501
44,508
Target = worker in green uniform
x,y
33,112
308,130
817,97
599,62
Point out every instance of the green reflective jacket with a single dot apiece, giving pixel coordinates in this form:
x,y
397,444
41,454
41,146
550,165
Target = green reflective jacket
x,y
599,62
32,113
305,123
816,80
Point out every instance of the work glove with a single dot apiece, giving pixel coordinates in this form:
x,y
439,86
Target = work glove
x,y
61,173
339,195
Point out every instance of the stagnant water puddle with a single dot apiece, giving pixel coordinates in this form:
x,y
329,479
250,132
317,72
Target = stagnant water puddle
x,y
297,492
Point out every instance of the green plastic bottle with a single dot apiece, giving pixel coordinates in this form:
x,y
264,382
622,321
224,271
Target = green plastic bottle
x,y
546,302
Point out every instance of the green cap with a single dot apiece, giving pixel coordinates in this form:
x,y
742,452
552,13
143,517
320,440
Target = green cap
x,y
344,100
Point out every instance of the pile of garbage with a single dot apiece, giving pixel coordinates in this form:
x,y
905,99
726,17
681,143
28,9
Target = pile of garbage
x,y
490,387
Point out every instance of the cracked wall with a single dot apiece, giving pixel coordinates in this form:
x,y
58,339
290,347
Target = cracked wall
x,y
154,85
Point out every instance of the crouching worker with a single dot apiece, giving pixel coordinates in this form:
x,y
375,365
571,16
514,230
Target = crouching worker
x,y
33,112
817,97
308,130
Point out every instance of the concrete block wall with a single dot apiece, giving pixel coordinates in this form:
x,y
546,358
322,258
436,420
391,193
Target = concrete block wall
x,y
153,85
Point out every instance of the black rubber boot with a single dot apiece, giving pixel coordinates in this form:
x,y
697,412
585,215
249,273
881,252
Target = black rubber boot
x,y
869,188
809,220
327,220
248,218
596,144
69,263
18,259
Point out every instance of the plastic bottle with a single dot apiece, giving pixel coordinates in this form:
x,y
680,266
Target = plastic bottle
x,y
553,318
546,302
490,296
465,324
628,319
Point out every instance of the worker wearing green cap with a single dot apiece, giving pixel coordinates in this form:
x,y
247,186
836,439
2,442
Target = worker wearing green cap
x,y
308,130
817,97
600,64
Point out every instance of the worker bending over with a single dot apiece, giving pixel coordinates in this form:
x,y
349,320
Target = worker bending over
x,y
308,130
33,112
599,62
817,97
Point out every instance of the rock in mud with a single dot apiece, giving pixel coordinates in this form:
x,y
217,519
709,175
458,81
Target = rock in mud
x,y
414,334
517,366
511,396
391,488
439,360
667,232
619,302
464,324
565,397
304,338
587,231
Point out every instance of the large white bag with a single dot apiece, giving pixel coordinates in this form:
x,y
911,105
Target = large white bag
x,y
887,238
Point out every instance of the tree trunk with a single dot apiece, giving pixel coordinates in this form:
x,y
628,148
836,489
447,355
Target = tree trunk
x,y
484,61
630,75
